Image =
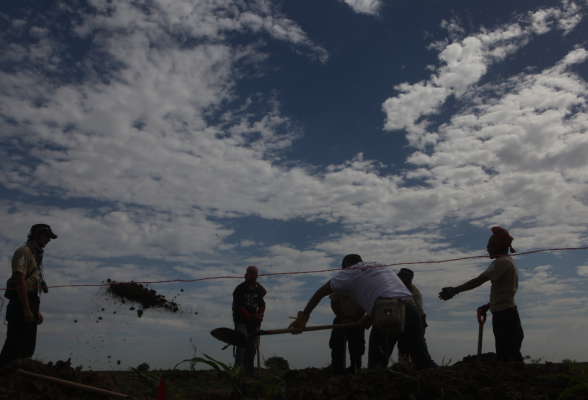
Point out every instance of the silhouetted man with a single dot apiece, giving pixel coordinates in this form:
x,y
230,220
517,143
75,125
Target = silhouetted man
x,y
22,312
248,310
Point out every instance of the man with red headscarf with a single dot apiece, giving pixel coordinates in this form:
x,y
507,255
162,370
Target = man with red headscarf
x,y
248,310
504,275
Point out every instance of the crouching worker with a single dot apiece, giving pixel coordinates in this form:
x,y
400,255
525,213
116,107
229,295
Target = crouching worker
x,y
248,310
504,275
376,288
346,311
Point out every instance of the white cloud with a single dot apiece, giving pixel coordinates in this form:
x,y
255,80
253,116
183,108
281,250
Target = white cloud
x,y
463,63
583,270
369,7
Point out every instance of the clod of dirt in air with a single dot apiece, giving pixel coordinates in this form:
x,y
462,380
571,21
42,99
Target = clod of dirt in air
x,y
100,318
139,313
182,290
75,321
118,362
137,293
132,308
114,312
102,309
108,357
196,313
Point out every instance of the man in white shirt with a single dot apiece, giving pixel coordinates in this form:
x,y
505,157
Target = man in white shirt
x,y
373,287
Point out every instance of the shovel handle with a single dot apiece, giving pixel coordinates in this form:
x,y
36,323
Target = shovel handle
x,y
481,321
313,328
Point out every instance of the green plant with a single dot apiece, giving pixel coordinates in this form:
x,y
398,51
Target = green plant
x,y
193,363
233,375
580,381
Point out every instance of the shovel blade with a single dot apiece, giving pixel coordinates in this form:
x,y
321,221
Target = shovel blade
x,y
230,336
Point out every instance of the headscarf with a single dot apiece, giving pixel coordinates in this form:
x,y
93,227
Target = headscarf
x,y
502,238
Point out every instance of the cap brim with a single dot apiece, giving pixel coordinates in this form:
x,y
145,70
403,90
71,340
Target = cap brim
x,y
53,236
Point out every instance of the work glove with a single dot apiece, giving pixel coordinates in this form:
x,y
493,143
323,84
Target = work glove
x,y
447,293
424,322
365,321
299,322
484,308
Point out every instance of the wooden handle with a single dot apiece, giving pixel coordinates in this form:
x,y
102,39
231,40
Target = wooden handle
x,y
314,328
71,384
480,337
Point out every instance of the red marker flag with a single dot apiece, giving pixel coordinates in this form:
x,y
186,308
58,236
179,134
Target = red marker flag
x,y
161,390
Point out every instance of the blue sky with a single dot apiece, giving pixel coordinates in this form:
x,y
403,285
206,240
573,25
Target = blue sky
x,y
185,139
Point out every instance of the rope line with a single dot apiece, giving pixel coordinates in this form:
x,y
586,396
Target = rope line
x,y
303,272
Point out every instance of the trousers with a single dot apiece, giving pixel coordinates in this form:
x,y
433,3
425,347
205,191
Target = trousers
x,y
381,345
21,336
355,343
246,355
508,334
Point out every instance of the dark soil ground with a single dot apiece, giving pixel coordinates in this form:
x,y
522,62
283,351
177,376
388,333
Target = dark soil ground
x,y
464,380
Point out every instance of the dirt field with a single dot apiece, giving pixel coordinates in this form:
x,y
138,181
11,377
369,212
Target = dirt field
x,y
464,380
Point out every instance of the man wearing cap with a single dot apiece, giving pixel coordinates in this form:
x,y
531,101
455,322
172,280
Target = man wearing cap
x,y
406,275
22,312
504,276
346,310
376,288
248,310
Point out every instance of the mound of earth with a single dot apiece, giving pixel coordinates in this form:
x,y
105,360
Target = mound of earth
x,y
137,293
484,359
465,380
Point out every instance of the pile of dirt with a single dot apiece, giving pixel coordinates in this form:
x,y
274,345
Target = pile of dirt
x,y
490,381
485,358
137,293
465,380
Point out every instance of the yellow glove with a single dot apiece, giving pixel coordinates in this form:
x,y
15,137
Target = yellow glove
x,y
299,323
365,321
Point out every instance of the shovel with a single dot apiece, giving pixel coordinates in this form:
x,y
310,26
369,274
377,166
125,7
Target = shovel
x,y
481,321
234,338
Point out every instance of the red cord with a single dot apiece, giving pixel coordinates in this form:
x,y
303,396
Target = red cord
x,y
308,272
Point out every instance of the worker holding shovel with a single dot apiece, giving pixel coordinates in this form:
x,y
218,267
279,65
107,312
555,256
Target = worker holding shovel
x,y
248,310
376,288
504,275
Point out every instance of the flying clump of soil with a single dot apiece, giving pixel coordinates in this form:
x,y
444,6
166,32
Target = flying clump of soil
x,y
137,293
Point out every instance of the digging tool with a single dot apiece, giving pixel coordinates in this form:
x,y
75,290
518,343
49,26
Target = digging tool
x,y
345,348
239,339
258,351
481,321
71,384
